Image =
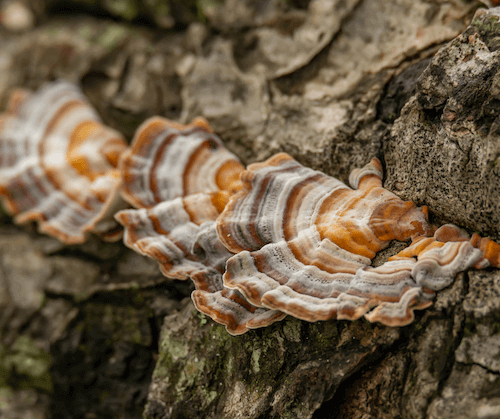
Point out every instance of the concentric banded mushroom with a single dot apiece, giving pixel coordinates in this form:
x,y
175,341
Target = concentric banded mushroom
x,y
181,178
275,239
58,164
304,241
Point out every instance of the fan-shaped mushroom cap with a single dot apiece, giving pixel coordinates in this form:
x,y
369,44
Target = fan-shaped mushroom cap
x,y
280,198
230,308
58,163
489,248
180,235
176,234
169,160
182,177
304,242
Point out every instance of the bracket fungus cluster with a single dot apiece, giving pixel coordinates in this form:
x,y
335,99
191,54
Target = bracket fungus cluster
x,y
59,164
260,243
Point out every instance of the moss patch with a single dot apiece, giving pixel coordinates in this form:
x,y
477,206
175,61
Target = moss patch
x,y
24,366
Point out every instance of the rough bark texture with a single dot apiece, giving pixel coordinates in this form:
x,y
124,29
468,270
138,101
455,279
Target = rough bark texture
x,y
452,126
95,331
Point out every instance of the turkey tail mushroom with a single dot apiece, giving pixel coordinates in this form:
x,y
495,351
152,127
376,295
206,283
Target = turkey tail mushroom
x,y
168,160
304,242
181,178
277,238
58,164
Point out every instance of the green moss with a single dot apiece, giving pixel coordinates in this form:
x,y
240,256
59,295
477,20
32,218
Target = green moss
x,y
181,367
265,355
255,360
325,334
162,367
217,338
170,351
176,349
191,374
203,367
488,24
23,365
292,330
210,396
203,318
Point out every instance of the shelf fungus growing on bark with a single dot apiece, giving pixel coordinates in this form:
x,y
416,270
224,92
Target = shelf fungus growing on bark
x,y
280,238
58,164
304,241
273,240
180,177
168,160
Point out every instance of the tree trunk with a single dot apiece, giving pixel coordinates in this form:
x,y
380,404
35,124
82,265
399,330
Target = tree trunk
x,y
95,330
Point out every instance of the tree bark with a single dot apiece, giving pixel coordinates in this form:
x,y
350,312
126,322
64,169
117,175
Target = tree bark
x,y
96,331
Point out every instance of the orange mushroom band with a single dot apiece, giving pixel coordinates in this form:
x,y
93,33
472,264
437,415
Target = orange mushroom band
x,y
58,164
